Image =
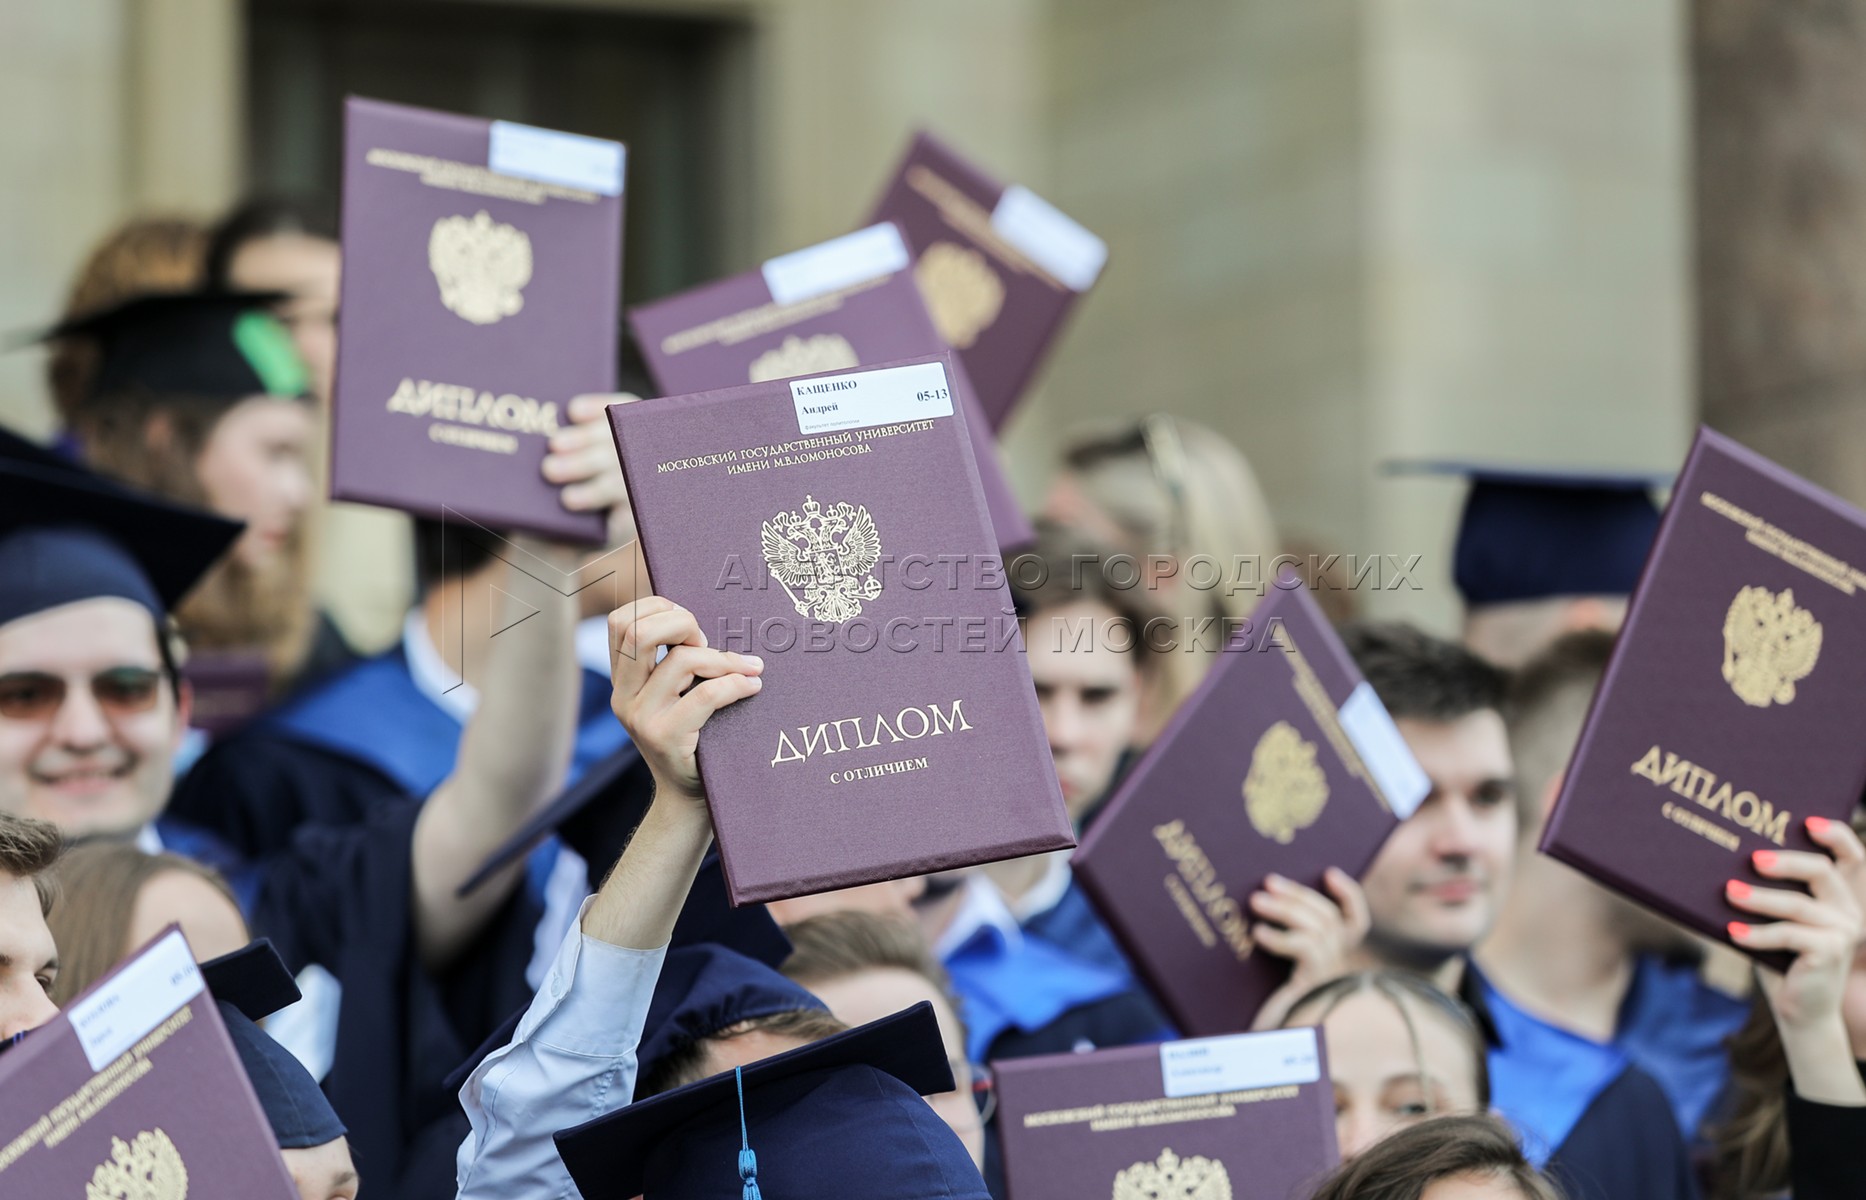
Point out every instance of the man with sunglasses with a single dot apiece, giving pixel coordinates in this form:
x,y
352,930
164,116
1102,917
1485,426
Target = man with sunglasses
x,y
92,711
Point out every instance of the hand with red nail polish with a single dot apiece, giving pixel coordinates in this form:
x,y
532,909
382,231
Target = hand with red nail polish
x,y
1817,919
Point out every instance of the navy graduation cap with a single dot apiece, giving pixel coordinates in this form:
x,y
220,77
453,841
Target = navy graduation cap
x,y
706,988
69,534
1531,533
248,985
840,1118
213,345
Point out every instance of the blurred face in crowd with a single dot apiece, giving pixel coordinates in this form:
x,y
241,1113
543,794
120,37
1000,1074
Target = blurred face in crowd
x,y
89,724
1089,687
1436,886
211,922
1383,1080
894,898
323,1172
866,996
256,468
28,958
306,269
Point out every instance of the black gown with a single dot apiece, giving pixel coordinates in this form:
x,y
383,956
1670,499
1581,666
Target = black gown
x,y
343,898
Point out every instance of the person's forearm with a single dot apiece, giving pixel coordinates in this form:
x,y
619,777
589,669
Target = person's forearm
x,y
513,756
639,902
1820,1064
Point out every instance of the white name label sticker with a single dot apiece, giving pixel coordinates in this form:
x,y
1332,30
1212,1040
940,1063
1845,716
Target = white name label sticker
x,y
548,156
1239,1062
1049,238
838,263
142,996
1381,746
863,398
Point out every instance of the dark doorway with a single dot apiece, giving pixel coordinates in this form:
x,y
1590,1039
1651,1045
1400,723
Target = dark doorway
x,y
668,87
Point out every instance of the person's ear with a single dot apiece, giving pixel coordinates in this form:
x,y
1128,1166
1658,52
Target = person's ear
x,y
159,432
1587,612
1550,794
184,710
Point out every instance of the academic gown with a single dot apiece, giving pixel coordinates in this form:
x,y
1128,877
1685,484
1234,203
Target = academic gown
x,y
367,738
1073,926
1589,1116
1676,1028
342,897
1825,1162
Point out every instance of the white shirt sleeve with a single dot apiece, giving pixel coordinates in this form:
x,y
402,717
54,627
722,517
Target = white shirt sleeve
x,y
572,1059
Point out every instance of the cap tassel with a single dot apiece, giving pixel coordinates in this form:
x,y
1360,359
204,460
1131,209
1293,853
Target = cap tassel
x,y
748,1158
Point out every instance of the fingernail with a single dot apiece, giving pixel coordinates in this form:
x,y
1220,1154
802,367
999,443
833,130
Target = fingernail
x,y
1738,889
1817,825
1738,930
755,661
1764,860
1274,880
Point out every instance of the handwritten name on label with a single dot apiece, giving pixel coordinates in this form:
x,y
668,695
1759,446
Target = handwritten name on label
x,y
1051,239
838,263
1382,747
141,996
1199,1066
568,159
864,398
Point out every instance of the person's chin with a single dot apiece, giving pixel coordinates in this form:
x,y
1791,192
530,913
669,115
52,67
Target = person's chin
x,y
1457,932
91,811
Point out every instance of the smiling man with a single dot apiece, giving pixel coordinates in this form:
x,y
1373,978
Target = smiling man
x,y
92,709
1438,883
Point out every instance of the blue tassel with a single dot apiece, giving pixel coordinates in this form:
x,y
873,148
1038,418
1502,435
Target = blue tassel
x,y
748,1158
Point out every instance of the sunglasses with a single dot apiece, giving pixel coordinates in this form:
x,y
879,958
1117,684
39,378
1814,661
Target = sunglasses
x,y
1157,438
119,691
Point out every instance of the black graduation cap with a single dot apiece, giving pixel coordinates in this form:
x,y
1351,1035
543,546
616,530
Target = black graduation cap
x,y
841,1117
248,985
216,345
1529,533
707,919
69,534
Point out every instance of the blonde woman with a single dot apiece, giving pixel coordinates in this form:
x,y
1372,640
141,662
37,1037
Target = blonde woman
x,y
1186,505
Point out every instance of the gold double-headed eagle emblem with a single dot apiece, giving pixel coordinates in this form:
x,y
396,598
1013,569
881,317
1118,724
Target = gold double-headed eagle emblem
x,y
1769,645
481,265
1171,1177
962,293
804,356
823,558
1286,789
147,1167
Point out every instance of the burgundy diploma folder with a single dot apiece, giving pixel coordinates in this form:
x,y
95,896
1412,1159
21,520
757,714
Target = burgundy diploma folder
x,y
1250,1116
1000,267
829,307
482,269
1282,761
136,1090
1730,710
835,525
230,688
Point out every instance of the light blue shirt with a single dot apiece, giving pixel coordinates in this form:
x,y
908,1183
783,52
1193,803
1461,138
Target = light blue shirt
x,y
571,1060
